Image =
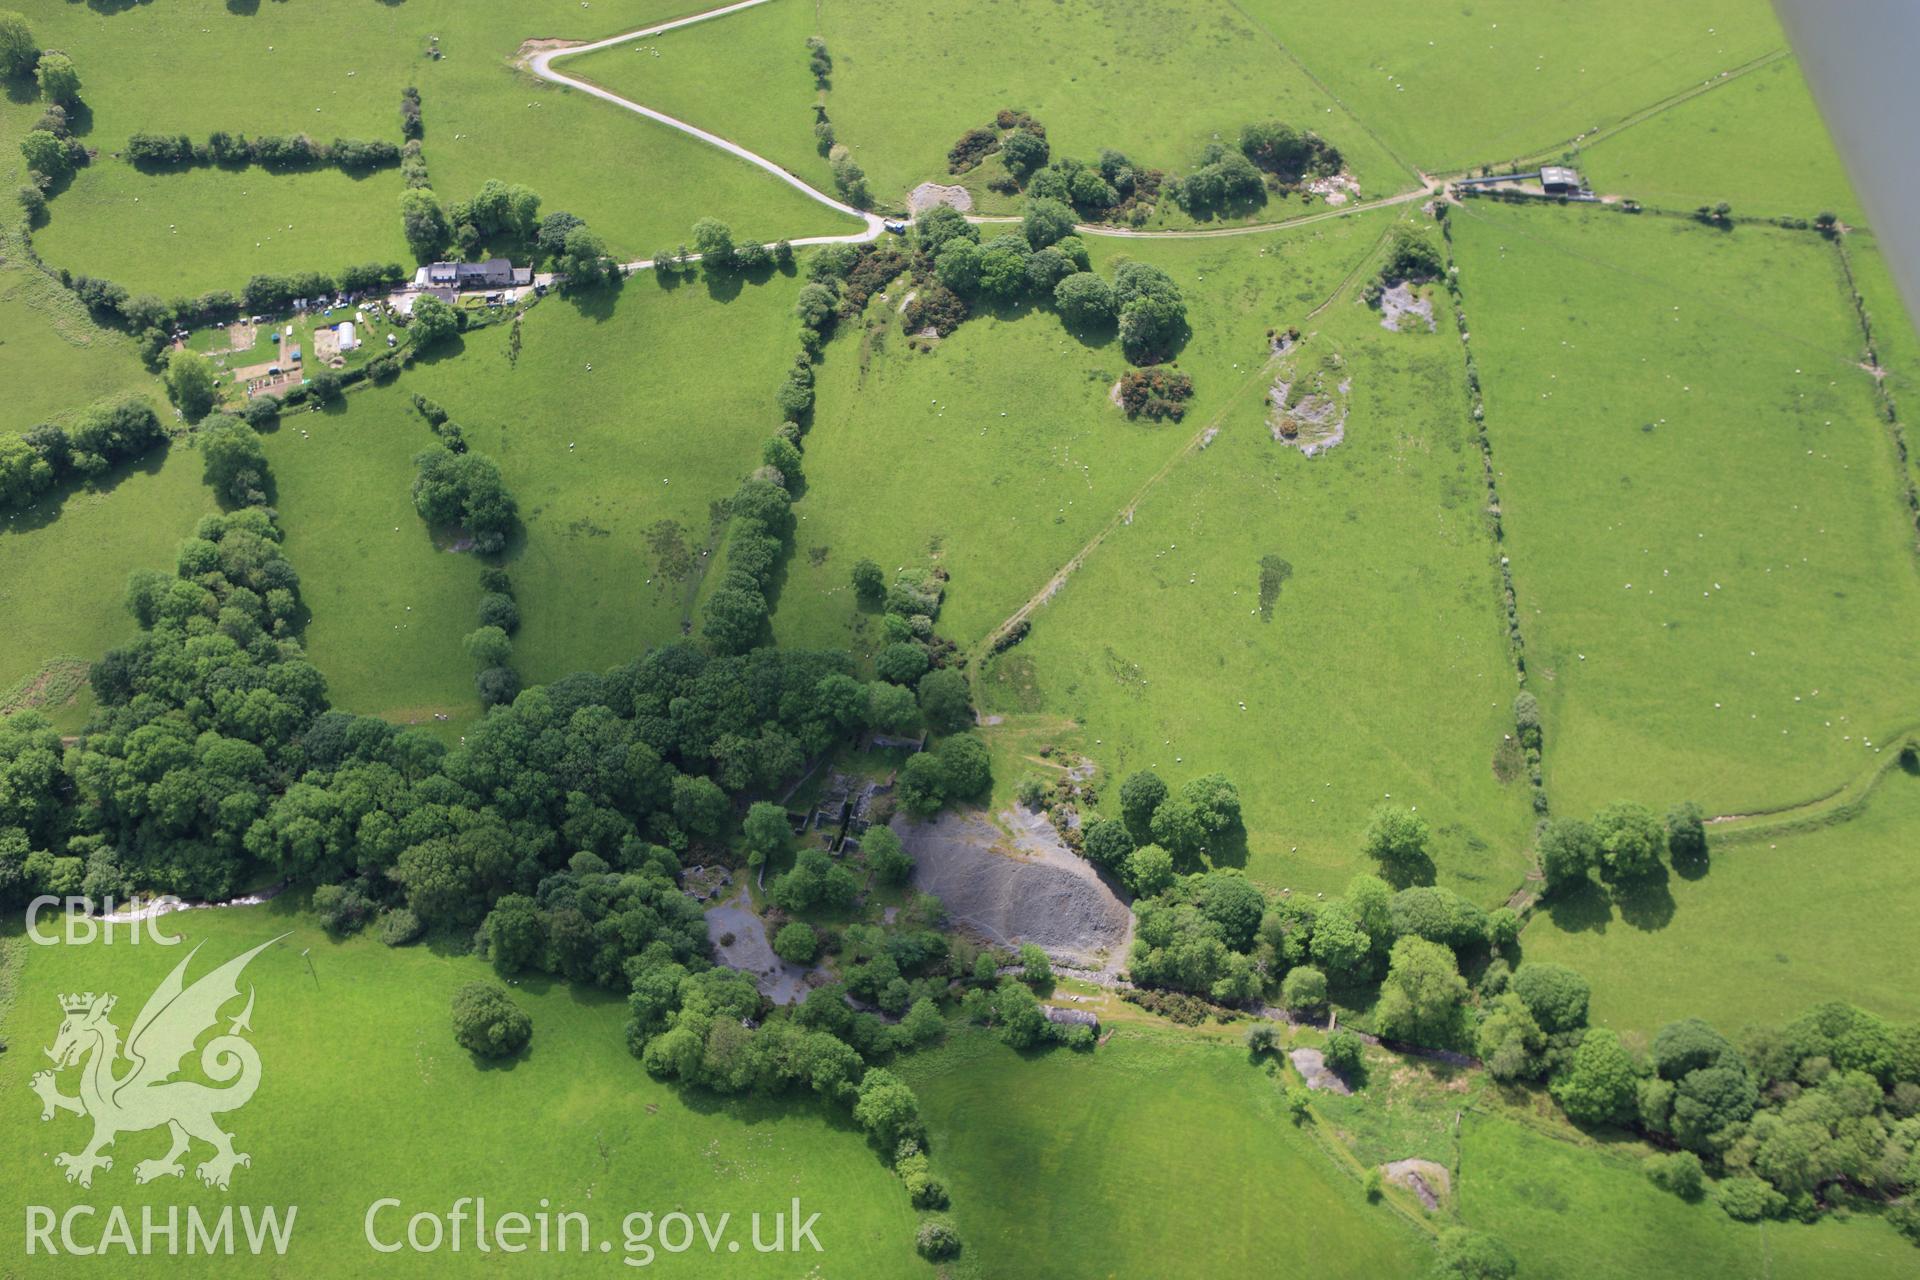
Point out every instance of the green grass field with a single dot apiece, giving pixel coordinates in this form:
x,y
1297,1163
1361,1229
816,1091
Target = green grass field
x,y
764,47
1756,939
1154,1155
54,360
910,461
1756,142
337,69
364,1094
910,458
388,608
669,420
653,443
65,561
58,363
1382,670
1157,83
181,234
1714,566
1581,1210
1446,86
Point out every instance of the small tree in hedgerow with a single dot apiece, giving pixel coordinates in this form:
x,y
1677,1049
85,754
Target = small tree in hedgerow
x,y
1601,1083
1555,995
1149,870
59,80
887,1109
1473,1255
713,241
1630,840
18,49
433,321
937,1240
1686,834
1106,843
945,700
1568,851
886,857
487,1022
234,461
901,663
191,383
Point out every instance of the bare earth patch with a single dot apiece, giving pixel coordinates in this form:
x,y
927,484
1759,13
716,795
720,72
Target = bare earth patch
x,y
1338,189
1424,1178
523,56
54,685
1307,404
739,939
931,194
1025,888
1313,1068
1399,302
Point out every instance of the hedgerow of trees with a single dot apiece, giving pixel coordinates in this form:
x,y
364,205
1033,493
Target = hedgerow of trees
x,y
282,153
49,455
1270,156
1787,1121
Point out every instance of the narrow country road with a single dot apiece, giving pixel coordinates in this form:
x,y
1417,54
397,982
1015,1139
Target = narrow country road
x,y
541,64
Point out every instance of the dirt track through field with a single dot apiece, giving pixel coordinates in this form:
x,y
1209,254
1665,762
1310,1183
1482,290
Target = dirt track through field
x,y
1260,378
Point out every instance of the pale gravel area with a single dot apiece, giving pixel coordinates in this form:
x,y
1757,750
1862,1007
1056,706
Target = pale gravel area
x,y
751,953
929,195
1021,887
1313,1068
1424,1178
1399,302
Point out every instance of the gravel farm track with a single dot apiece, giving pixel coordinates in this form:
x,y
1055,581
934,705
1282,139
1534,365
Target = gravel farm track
x,y
545,53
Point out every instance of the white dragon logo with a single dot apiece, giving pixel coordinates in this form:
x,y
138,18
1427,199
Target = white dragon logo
x,y
145,1096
